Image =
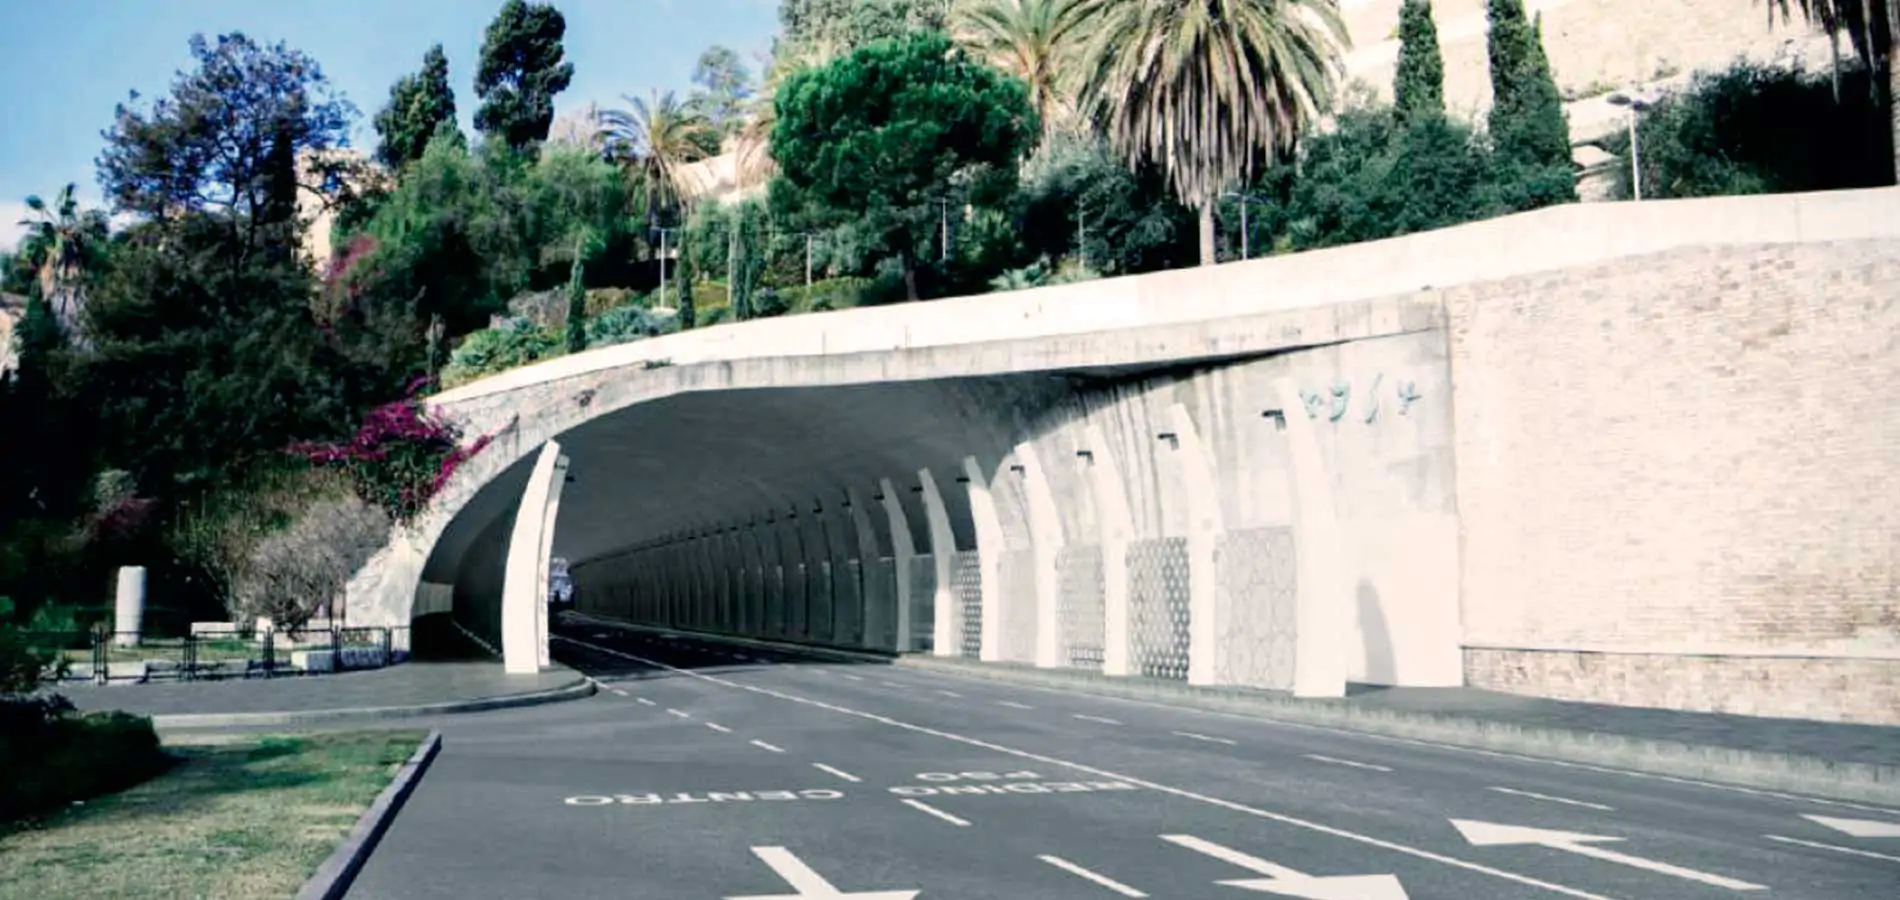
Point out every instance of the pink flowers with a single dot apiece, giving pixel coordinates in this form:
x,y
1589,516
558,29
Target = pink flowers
x,y
400,457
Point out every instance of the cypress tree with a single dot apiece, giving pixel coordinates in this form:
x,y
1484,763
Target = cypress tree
x,y
1528,127
576,309
1419,87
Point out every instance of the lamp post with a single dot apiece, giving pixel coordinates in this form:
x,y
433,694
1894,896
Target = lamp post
x,y
1246,250
663,232
1634,103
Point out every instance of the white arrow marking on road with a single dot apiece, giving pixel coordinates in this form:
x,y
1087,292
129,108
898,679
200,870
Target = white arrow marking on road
x,y
1491,834
809,884
1860,828
1291,883
1820,846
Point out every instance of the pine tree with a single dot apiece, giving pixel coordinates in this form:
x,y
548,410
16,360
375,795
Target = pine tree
x,y
419,103
1528,127
523,65
1419,87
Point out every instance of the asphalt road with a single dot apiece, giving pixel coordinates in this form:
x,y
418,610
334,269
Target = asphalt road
x,y
708,771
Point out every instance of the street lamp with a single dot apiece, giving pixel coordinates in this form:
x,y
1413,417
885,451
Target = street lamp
x,y
1635,103
1245,246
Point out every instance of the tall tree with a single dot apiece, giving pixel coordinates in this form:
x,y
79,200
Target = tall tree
x,y
1871,26
1034,40
418,104
834,27
1419,86
1210,90
882,137
522,68
238,138
655,138
725,86
62,240
1527,119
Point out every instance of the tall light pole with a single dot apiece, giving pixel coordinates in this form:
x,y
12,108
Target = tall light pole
x,y
1635,103
943,225
663,232
1246,233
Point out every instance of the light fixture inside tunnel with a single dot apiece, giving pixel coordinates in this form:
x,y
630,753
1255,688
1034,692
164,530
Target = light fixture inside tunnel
x,y
1174,441
1277,415
963,479
1017,468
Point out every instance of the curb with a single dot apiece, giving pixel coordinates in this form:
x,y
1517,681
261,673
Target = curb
x,y
333,877
579,688
1762,770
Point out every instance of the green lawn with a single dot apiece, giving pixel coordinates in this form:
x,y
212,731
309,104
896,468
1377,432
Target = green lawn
x,y
239,817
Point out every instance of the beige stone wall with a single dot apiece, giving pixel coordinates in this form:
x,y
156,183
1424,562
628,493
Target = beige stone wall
x,y
1677,456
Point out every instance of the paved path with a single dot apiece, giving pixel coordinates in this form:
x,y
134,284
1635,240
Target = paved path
x,y
408,684
705,771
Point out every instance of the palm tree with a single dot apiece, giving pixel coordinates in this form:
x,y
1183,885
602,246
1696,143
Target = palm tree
x,y
1034,40
656,139
61,240
1871,26
1207,90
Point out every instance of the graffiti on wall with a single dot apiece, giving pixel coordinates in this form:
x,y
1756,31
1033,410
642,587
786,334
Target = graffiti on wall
x,y
1335,400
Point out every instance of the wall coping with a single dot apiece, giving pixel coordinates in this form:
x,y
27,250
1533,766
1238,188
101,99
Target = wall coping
x,y
1557,237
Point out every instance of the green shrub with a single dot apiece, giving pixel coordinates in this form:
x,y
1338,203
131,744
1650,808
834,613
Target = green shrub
x,y
629,323
54,756
512,344
1754,129
831,293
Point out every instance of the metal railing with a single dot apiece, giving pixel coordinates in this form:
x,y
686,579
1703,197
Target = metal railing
x,y
102,656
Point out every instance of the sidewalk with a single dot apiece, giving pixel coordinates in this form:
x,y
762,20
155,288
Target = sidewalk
x,y
406,689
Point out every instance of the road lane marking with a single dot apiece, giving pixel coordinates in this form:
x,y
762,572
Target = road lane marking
x,y
919,804
809,884
740,656
1346,762
718,727
618,692
645,702
1013,704
1203,737
1288,882
1100,719
891,684
1860,828
1102,880
949,693
1564,800
1820,846
1230,805
1492,834
675,712
838,772
765,746
854,677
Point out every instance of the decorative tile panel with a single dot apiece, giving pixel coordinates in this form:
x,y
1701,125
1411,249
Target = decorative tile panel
x,y
1256,591
1079,609
1158,606
966,585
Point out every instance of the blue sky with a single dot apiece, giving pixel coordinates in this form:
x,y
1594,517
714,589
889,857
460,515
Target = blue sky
x,y
65,64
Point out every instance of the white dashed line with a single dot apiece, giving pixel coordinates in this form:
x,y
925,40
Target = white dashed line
x,y
919,804
1564,800
741,656
1102,880
765,746
1183,793
891,684
854,677
1819,846
618,692
838,772
718,727
1096,719
1203,737
645,702
949,693
1346,762
683,715
1013,704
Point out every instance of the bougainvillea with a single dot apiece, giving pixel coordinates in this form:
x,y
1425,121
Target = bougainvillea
x,y
400,457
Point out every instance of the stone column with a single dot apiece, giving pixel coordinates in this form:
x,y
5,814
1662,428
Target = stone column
x,y
903,552
943,546
128,609
1325,593
523,636
989,556
1118,528
1204,532
1045,535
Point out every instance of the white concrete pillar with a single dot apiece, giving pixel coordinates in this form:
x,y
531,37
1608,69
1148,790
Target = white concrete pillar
x,y
1205,527
1045,534
128,607
943,546
1118,528
522,610
873,603
903,552
989,558
543,573
1325,593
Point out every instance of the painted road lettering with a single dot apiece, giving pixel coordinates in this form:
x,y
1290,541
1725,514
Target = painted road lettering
x,y
681,798
1014,787
975,776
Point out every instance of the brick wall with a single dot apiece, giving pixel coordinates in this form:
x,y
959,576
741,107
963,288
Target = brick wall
x,y
1681,456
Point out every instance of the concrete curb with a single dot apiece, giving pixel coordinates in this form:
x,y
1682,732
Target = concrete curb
x,y
1791,772
333,877
574,690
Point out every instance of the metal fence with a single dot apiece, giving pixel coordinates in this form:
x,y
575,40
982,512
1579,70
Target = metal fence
x,y
102,656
